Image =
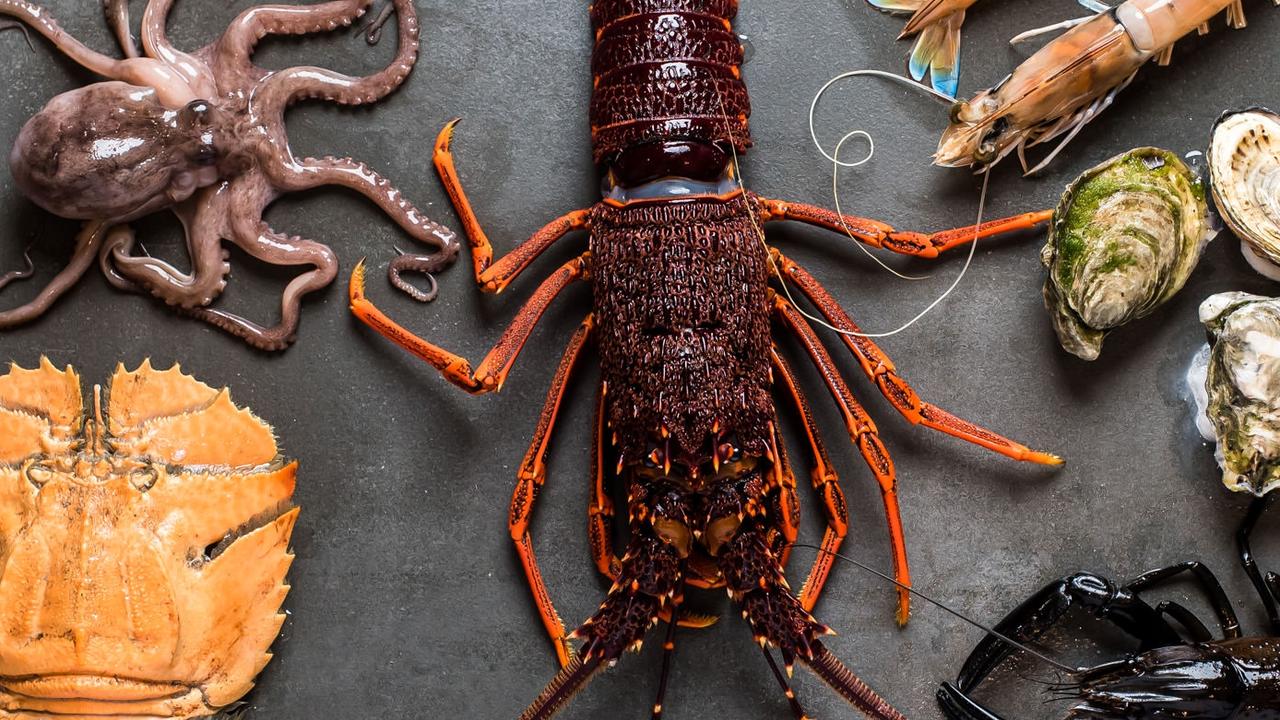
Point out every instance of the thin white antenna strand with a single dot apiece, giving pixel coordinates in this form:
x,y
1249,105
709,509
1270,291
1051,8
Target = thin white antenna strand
x,y
837,163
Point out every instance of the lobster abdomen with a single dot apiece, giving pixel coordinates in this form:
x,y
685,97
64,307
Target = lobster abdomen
x,y
666,70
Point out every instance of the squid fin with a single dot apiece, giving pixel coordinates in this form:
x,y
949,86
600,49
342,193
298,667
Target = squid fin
x,y
937,53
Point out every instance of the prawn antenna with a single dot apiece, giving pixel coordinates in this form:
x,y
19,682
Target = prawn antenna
x,y
15,25
989,630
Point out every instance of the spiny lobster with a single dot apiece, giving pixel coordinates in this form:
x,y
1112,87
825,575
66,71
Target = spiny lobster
x,y
681,317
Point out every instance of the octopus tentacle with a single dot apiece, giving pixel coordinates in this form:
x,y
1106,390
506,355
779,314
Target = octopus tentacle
x,y
86,249
425,265
22,274
344,172
288,86
120,240
237,44
43,22
277,249
117,12
209,260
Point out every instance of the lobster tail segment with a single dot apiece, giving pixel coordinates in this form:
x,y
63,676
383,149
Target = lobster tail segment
x,y
666,70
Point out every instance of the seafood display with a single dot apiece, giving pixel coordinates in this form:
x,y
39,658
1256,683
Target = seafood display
x,y
1244,168
1068,82
1123,240
1236,384
145,545
1180,670
937,49
202,134
682,305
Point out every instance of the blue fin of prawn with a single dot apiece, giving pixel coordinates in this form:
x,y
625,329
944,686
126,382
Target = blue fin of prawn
x,y
937,53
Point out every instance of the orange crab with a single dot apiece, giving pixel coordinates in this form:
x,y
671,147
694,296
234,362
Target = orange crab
x,y
143,549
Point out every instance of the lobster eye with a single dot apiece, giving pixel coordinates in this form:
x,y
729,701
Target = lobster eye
x,y
39,474
957,111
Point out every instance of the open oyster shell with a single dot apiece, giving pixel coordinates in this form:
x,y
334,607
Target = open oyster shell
x,y
1244,169
1240,390
1123,240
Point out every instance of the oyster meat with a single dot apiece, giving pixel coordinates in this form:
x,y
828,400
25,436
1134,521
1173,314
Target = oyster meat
x,y
1123,240
1236,383
1244,171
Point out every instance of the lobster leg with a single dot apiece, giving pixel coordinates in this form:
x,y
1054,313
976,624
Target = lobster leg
x,y
788,508
529,481
863,433
600,512
796,709
880,370
490,276
879,235
825,483
493,370
1268,587
668,655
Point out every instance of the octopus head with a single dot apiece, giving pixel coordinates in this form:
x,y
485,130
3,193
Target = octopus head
x,y
981,133
114,151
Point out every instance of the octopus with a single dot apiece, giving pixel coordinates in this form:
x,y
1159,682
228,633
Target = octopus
x,y
145,546
202,134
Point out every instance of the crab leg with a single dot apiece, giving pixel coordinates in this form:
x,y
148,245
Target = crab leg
x,y
529,481
490,276
825,483
863,433
493,370
880,370
879,235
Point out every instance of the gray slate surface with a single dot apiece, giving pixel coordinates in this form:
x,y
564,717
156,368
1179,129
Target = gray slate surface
x,y
408,600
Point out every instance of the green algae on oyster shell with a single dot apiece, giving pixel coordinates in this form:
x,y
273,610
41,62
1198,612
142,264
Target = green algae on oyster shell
x,y
1243,387
1123,240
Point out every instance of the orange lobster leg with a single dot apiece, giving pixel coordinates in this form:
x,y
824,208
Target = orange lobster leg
x,y
879,235
529,482
600,512
825,483
862,430
788,499
880,370
490,276
493,370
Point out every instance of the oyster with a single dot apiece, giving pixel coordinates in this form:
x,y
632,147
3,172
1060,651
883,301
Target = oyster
x,y
1244,170
1123,240
1236,383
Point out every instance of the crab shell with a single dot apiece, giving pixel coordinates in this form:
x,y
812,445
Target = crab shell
x,y
144,552
1244,169
1243,386
1123,240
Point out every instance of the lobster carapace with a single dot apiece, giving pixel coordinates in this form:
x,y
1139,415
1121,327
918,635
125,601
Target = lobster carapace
x,y
682,312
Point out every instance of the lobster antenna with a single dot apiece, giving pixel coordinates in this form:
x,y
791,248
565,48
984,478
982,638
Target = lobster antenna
x,y
990,631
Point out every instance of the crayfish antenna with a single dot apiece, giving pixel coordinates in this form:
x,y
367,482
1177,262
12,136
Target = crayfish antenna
x,y
851,688
648,585
571,680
